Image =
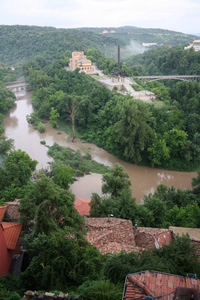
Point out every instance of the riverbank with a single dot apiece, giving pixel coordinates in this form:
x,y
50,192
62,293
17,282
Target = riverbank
x,y
144,180
62,125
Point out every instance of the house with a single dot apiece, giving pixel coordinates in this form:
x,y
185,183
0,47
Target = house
x,y
105,31
147,237
80,61
83,207
158,285
195,44
9,245
12,209
149,45
111,235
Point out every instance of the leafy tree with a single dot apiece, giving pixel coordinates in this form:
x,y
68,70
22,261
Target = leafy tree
x,y
187,216
133,130
158,151
157,207
5,144
196,184
11,288
50,206
18,168
179,257
30,66
62,175
7,99
52,259
39,79
115,180
100,290
144,216
119,265
127,205
71,107
60,259
54,116
96,206
176,141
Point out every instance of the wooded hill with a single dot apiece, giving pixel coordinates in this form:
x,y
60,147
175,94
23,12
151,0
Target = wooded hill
x,y
144,35
19,43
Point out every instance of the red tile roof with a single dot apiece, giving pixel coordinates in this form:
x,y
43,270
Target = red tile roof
x,y
111,235
82,205
152,283
11,234
2,212
147,237
12,209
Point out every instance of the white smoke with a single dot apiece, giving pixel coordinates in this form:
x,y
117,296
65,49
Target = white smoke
x,y
134,48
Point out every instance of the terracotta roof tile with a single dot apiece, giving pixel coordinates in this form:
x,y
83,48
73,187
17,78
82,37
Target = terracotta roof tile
x,y
111,235
12,209
152,231
11,234
159,283
2,212
82,205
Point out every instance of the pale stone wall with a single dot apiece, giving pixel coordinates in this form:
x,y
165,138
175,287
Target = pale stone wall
x,y
79,60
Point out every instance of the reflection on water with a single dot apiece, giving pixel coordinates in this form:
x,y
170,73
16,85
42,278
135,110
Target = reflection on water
x,y
164,177
144,180
87,185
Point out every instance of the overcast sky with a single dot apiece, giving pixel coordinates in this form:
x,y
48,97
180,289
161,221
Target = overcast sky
x,y
177,15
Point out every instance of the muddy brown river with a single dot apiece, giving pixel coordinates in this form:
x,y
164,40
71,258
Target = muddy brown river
x,y
144,180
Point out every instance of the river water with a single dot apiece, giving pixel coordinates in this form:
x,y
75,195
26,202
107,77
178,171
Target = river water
x,y
144,180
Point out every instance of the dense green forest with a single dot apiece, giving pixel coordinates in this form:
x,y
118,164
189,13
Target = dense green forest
x,y
7,101
6,74
164,133
165,61
20,43
144,35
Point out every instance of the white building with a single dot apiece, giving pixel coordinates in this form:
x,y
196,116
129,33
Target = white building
x,y
195,44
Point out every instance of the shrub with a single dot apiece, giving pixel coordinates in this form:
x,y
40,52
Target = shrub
x,y
100,290
41,127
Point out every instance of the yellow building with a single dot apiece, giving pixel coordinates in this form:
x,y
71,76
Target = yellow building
x,y
80,61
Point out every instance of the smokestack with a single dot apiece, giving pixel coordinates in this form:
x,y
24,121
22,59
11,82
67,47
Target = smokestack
x,y
118,60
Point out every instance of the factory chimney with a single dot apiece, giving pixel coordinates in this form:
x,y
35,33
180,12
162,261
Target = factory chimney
x,y
118,60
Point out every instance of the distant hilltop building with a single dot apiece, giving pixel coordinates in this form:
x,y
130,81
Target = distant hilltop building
x,y
106,31
195,44
80,61
12,68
